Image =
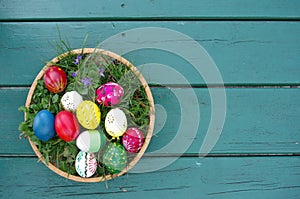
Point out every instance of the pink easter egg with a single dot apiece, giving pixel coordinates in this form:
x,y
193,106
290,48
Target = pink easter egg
x,y
133,140
109,94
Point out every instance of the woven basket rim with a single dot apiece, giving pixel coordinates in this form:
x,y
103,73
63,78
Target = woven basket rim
x,y
151,115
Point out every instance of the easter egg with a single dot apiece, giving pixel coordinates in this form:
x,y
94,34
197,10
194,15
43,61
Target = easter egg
x,y
66,126
115,158
71,100
55,79
85,164
88,114
43,125
133,140
91,141
115,122
109,94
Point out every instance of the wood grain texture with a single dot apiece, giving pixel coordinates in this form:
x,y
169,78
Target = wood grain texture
x,y
269,124
214,178
150,9
246,53
253,43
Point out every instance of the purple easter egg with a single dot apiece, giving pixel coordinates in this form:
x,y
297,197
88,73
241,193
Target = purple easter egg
x,y
109,94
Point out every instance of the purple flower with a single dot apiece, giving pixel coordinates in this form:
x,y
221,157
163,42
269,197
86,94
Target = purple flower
x,y
101,72
74,74
77,59
87,81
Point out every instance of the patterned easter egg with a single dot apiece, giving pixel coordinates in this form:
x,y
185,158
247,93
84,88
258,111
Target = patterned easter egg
x,y
55,79
109,94
85,164
71,100
115,158
88,114
133,140
115,122
91,141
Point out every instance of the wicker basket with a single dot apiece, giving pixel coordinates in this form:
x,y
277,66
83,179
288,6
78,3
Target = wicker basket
x,y
151,116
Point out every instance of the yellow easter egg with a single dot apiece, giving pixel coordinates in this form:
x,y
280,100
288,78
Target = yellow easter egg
x,y
88,114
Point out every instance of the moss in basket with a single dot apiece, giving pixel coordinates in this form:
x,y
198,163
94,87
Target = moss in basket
x,y
135,104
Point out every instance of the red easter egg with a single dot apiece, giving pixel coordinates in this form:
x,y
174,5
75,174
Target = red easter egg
x,y
133,140
55,79
66,126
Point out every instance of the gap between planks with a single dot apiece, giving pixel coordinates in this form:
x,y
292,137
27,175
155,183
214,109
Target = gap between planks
x,y
146,19
14,87
187,155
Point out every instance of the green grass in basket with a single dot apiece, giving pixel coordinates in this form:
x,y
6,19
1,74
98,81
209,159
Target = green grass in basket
x,y
134,103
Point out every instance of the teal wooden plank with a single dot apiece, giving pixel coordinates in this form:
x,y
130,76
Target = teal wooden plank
x,y
11,100
257,121
245,53
150,9
215,178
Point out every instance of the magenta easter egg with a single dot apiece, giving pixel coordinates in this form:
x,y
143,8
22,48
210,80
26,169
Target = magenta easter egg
x,y
133,140
109,94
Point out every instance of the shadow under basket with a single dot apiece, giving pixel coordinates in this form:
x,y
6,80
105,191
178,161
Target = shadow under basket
x,y
148,135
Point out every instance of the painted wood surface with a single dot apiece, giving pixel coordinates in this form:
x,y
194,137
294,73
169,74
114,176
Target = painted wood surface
x,y
269,125
255,45
246,53
193,178
150,9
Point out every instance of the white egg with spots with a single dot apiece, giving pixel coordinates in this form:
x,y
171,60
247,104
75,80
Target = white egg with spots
x,y
71,100
115,122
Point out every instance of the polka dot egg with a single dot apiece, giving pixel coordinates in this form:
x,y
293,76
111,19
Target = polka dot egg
x,y
115,157
109,94
133,140
115,122
71,100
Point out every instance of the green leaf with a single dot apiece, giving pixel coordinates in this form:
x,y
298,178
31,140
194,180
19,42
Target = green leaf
x,y
70,87
55,98
82,89
93,74
22,109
